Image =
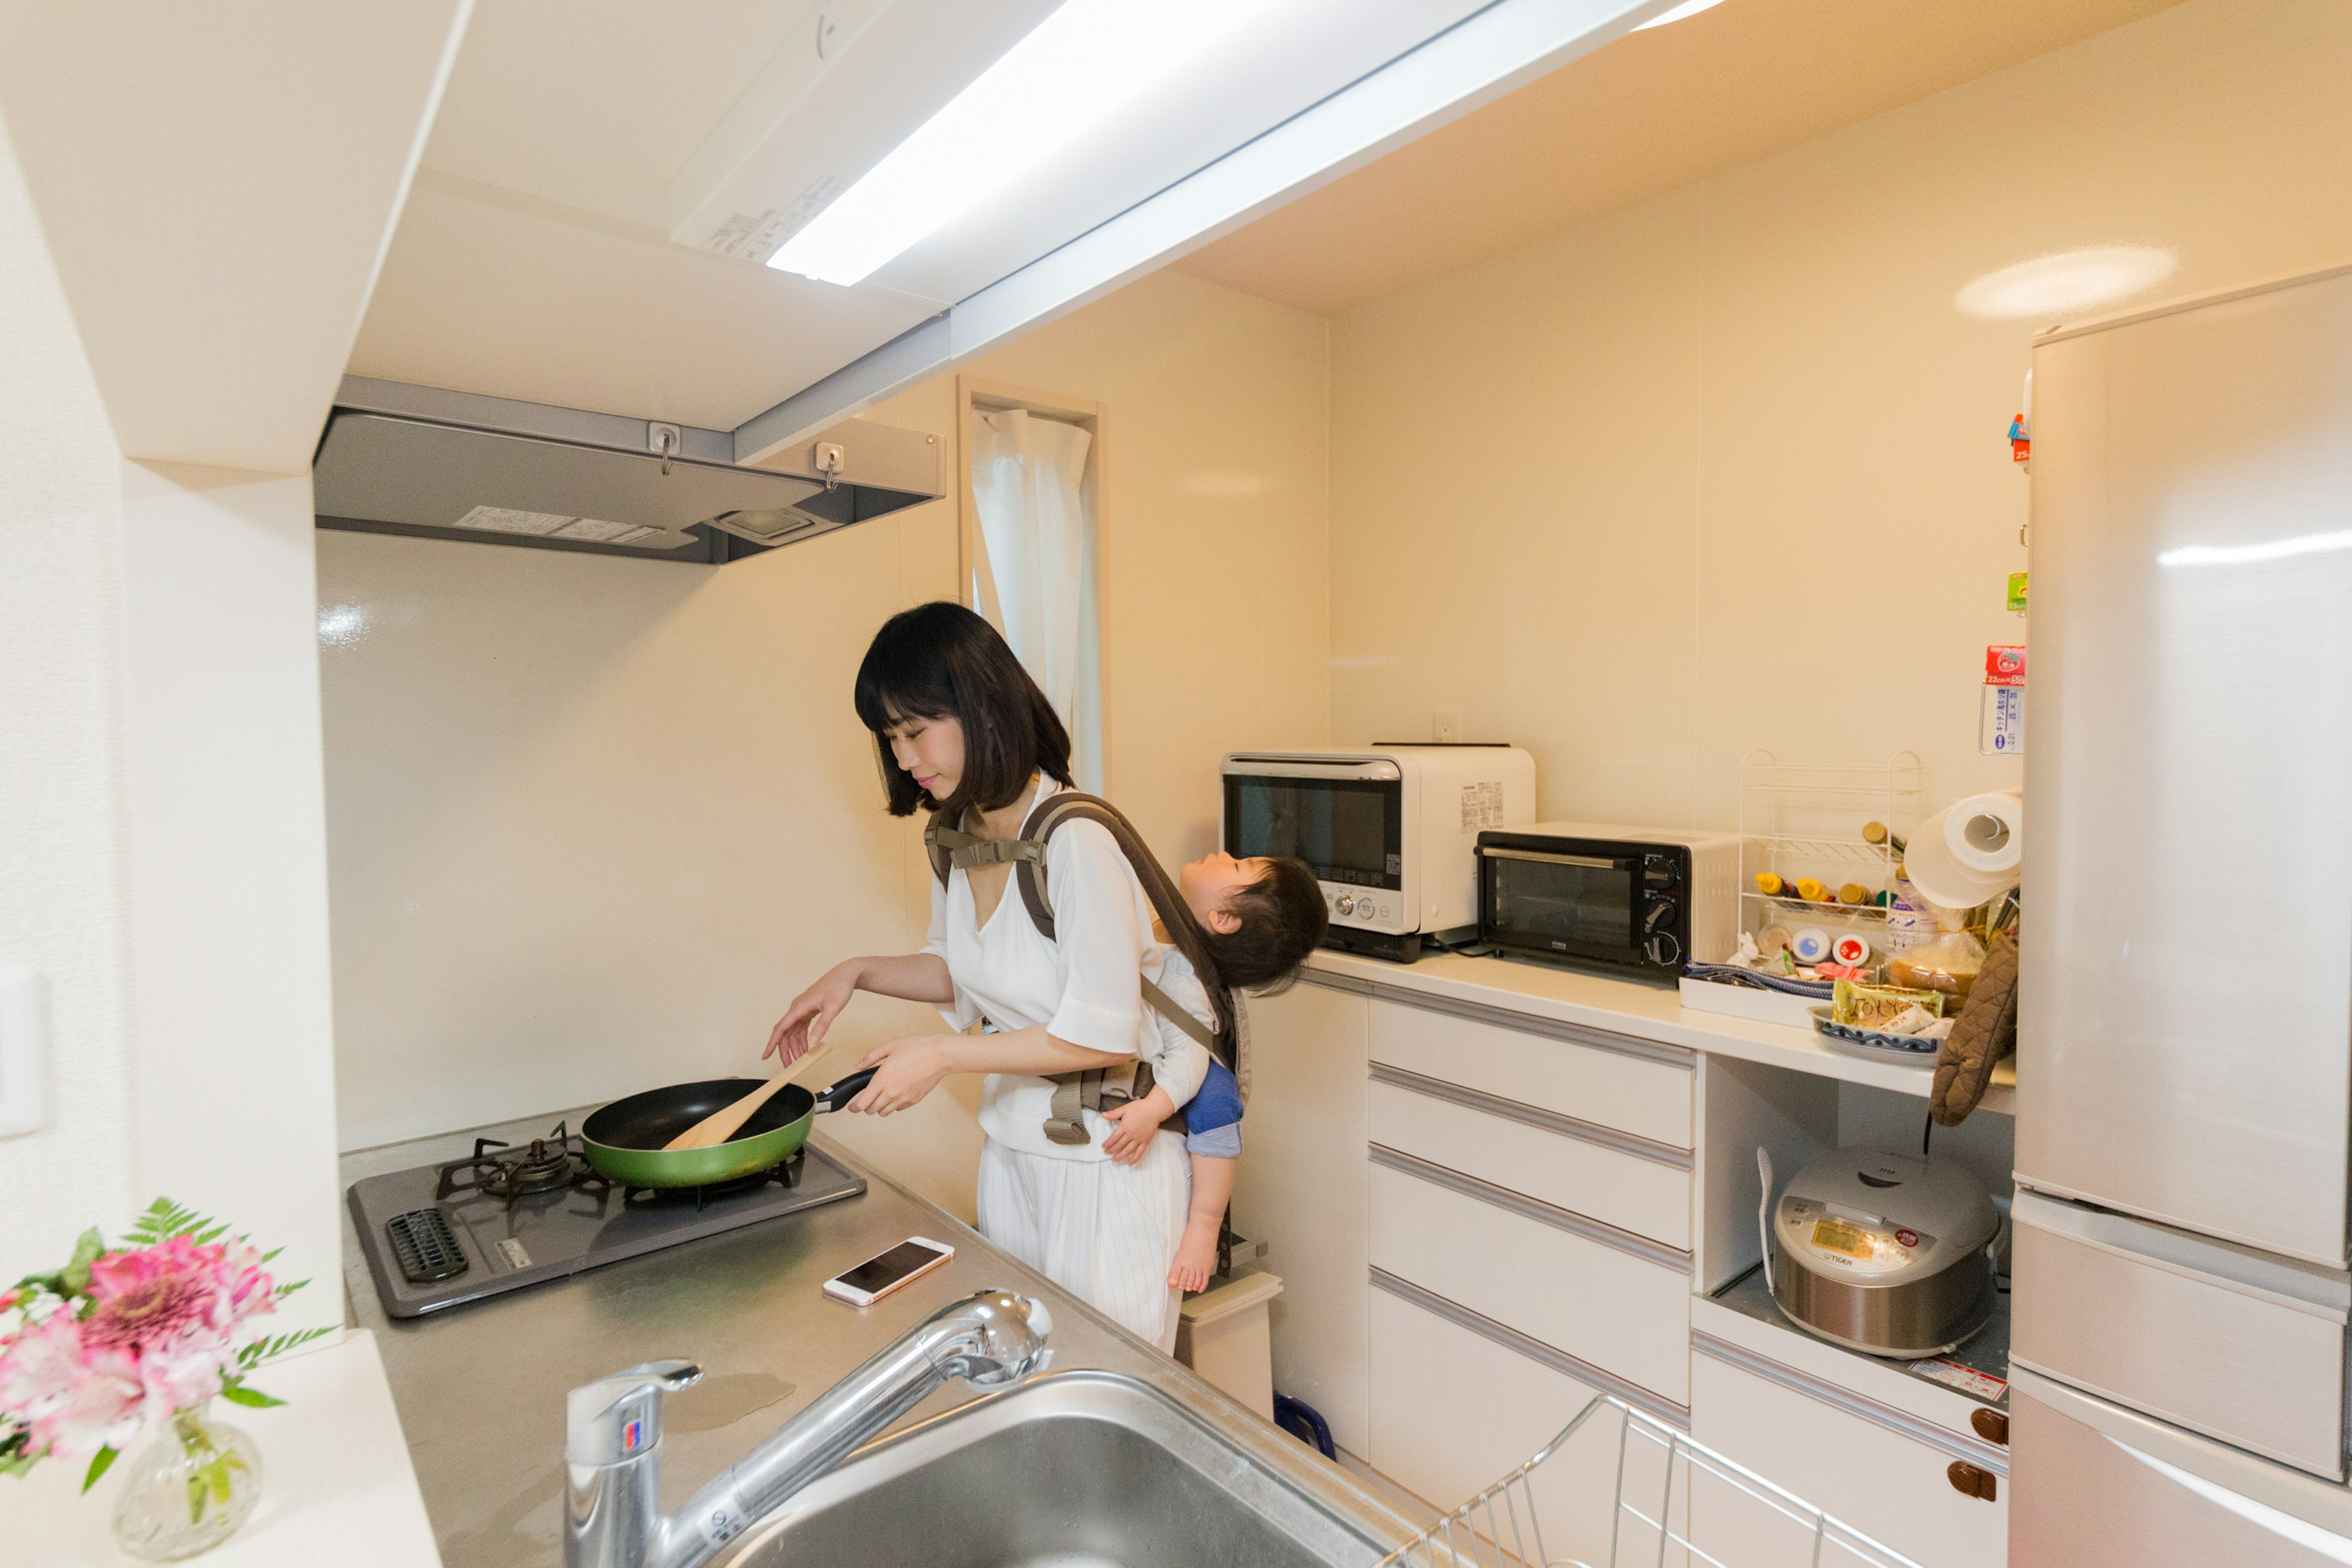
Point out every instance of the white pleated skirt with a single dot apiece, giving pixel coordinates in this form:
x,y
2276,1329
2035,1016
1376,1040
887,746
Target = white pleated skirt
x,y
1105,1232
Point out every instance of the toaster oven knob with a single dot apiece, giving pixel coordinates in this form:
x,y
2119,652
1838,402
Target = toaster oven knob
x,y
1347,904
1660,913
1662,950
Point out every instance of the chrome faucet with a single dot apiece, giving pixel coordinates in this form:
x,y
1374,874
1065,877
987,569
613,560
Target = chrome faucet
x,y
611,1438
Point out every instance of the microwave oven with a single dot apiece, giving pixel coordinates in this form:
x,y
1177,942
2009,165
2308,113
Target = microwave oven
x,y
1648,899
1389,830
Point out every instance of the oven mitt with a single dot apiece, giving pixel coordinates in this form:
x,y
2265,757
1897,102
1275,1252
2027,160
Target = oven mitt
x,y
1985,1032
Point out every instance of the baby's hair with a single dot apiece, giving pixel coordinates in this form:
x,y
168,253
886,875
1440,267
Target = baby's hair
x,y
1282,918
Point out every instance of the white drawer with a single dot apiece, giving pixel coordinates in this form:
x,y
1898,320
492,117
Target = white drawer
x,y
1452,1412
1613,1081
1512,1147
2257,1359
1883,1482
1620,1310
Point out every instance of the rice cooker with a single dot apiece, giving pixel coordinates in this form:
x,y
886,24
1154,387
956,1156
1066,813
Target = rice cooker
x,y
1885,1254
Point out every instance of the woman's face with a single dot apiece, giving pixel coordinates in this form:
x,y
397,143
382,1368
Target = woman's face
x,y
931,750
1209,884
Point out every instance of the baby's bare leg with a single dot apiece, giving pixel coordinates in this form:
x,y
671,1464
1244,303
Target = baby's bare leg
x,y
1196,1255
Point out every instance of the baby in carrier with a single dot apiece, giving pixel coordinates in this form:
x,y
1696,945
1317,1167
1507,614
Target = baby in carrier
x,y
1261,918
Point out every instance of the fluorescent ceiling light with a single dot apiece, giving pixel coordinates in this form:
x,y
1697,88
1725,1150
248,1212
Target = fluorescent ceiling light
x,y
2070,280
1688,8
2247,555
1062,83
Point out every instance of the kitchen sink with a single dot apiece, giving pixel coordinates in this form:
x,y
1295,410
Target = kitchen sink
x,y
1082,1469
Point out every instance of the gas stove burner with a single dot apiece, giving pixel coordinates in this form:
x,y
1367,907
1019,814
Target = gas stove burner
x,y
785,1175
486,1237
547,1164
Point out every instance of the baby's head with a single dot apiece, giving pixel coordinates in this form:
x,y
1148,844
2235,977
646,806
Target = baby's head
x,y
1262,916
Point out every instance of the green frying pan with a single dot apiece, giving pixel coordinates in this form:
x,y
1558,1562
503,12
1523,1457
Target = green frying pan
x,y
625,1140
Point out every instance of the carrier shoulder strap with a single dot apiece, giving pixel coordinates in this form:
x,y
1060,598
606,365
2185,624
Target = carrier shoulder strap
x,y
1075,1093
1167,902
947,848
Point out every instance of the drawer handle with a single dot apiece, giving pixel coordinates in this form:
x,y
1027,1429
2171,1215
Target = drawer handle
x,y
1992,1426
1970,1481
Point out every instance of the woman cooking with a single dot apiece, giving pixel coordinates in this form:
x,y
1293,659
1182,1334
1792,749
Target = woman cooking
x,y
962,729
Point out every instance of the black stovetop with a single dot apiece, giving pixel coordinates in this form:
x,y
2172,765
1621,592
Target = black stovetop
x,y
439,1235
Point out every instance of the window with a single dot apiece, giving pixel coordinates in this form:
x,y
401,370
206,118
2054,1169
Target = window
x,y
1031,512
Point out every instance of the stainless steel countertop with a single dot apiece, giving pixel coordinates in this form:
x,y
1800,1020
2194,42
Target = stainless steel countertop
x,y
480,1387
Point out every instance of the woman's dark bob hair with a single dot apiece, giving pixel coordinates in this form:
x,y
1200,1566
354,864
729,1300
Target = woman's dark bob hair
x,y
941,660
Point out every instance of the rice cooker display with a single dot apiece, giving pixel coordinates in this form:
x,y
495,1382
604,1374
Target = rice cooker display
x,y
1851,1245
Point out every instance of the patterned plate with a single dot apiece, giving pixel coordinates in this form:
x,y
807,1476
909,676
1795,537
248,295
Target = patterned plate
x,y
1909,1050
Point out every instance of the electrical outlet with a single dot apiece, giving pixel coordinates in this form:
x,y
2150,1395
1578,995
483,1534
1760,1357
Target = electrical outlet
x,y
1444,725
23,1053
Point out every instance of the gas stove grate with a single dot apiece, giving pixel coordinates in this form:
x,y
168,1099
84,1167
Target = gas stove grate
x,y
425,1246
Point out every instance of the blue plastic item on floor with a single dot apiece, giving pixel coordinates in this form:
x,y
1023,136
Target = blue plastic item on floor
x,y
1302,1421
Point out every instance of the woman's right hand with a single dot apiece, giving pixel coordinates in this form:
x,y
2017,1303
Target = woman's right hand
x,y
802,1028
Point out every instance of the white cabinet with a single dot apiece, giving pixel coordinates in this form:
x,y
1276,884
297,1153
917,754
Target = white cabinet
x,y
1481,1218
1609,1080
1648,1194
1883,1473
1625,1316
1453,1411
1301,1189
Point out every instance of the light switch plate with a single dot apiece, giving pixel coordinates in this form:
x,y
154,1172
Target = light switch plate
x,y
24,1052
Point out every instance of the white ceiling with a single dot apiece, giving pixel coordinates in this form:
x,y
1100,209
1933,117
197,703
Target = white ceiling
x,y
217,185
537,260
1651,112
595,104
485,291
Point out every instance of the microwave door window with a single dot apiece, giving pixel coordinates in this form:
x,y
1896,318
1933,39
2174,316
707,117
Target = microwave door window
x,y
1349,831
1582,906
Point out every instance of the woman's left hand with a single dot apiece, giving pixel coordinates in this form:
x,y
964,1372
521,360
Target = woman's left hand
x,y
905,1071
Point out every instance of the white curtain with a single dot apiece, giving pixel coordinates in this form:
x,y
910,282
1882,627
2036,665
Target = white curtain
x,y
1036,572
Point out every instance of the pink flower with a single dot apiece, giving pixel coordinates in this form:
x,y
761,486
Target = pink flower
x,y
157,1338
164,1316
69,1408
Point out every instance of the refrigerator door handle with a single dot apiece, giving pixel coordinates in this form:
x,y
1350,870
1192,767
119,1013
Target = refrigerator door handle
x,y
2280,1281
2297,1507
2278,1522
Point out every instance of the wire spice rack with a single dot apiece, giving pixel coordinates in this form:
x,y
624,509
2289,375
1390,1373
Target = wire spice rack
x,y
1800,820
1657,1467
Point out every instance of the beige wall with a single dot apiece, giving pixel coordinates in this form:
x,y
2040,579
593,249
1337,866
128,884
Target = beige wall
x,y
1726,470
161,849
592,822
1215,625
63,908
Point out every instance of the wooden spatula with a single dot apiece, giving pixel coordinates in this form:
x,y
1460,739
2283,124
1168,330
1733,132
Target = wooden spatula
x,y
722,1124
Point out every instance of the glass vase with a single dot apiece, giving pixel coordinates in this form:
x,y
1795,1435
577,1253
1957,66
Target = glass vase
x,y
186,1489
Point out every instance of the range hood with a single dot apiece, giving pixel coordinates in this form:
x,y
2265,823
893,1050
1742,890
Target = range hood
x,y
435,464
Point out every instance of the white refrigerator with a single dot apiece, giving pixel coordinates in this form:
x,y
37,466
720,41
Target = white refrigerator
x,y
2184,1100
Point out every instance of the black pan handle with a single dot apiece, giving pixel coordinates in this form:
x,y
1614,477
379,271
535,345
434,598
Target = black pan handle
x,y
842,1093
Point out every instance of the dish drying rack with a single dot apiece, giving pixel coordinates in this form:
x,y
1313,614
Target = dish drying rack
x,y
1806,819
1502,1527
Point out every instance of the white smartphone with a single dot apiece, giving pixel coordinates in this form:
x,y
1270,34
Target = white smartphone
x,y
886,1271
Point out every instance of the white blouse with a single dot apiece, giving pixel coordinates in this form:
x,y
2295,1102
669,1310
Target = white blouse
x,y
1085,988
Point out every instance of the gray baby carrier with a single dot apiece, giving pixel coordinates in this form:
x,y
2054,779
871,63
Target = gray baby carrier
x,y
1098,1088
